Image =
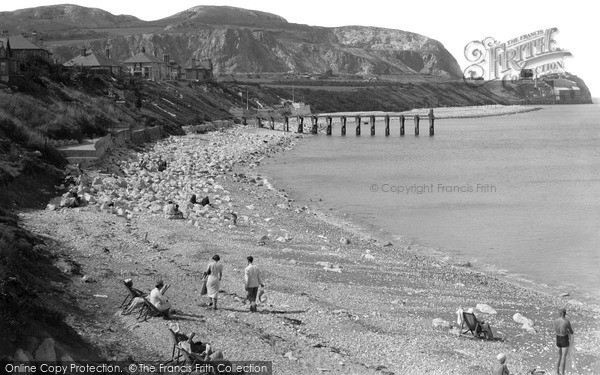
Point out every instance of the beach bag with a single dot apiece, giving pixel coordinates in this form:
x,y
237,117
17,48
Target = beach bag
x,y
204,290
262,297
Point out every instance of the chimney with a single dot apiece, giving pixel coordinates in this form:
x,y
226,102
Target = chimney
x,y
166,58
107,52
83,51
193,62
155,52
143,49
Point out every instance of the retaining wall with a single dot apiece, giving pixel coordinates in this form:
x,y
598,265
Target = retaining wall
x,y
211,126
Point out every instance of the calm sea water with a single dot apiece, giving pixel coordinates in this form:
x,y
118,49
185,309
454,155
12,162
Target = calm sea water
x,y
518,193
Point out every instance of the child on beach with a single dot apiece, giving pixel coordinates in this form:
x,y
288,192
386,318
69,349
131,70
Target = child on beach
x,y
500,368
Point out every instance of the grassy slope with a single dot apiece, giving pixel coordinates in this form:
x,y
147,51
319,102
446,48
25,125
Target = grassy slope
x,y
40,112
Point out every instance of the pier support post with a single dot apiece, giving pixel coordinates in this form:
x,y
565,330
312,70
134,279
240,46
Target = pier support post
x,y
259,122
286,124
357,125
300,124
417,118
315,121
272,123
401,125
343,119
387,125
431,119
329,125
372,125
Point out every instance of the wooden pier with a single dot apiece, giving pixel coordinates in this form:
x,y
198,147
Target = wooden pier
x,y
343,120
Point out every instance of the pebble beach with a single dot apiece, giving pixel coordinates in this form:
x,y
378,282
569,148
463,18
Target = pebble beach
x,y
340,300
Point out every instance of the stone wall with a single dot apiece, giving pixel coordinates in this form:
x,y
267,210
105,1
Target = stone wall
x,y
102,145
121,137
210,126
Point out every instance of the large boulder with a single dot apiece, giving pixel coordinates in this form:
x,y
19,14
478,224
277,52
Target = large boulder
x,y
45,352
23,356
527,324
486,309
438,322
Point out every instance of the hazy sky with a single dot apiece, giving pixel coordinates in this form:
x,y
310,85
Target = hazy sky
x,y
454,23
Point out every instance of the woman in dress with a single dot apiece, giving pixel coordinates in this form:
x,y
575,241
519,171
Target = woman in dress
x,y
214,270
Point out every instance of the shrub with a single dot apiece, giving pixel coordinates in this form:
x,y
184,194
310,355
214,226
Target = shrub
x,y
12,131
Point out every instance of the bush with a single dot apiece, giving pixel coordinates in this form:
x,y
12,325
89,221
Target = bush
x,y
64,131
97,128
12,131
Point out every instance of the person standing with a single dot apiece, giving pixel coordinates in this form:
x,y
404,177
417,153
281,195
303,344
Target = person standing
x,y
214,270
253,280
562,327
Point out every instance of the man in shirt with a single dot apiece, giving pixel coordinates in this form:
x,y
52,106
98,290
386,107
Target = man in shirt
x,y
253,280
159,300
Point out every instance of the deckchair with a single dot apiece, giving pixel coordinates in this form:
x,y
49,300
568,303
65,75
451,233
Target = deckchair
x,y
131,294
472,325
179,358
193,359
148,310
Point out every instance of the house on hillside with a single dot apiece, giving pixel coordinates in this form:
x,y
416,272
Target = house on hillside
x,y
9,66
24,48
173,68
199,70
564,89
146,66
97,62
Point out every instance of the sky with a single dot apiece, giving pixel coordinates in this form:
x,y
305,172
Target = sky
x,y
454,23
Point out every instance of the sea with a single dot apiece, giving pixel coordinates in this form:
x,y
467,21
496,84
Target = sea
x,y
517,195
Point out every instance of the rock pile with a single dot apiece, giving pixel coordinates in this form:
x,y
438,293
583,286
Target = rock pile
x,y
195,164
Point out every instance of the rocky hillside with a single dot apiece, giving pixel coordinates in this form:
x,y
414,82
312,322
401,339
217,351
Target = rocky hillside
x,y
61,17
237,40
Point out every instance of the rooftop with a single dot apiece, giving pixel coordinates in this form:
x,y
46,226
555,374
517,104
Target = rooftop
x,y
91,59
20,42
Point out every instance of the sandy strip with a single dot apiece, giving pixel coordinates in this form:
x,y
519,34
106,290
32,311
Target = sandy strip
x,y
449,112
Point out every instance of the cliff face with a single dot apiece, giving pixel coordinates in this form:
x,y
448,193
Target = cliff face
x,y
239,40
353,50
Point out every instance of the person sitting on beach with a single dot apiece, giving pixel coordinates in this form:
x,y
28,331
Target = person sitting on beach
x,y
186,342
143,164
161,164
171,211
158,299
138,302
500,368
70,199
193,199
482,327
205,201
205,355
